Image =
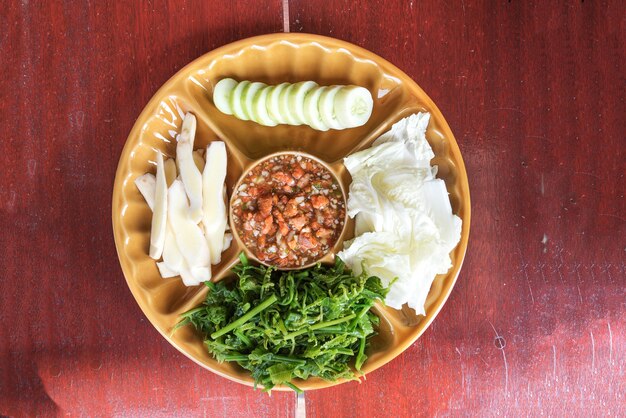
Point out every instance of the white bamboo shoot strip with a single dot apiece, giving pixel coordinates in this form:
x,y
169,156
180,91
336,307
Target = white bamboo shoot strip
x,y
187,233
159,215
172,256
165,271
225,197
195,275
146,185
228,239
173,260
189,173
214,208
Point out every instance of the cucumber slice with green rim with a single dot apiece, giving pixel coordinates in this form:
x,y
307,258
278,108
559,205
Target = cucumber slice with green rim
x,y
322,108
248,97
236,102
296,99
273,103
221,95
327,107
353,106
284,106
311,109
259,107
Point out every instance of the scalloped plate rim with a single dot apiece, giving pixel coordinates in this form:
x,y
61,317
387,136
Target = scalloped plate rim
x,y
359,53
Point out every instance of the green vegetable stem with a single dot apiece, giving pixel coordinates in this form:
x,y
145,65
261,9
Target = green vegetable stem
x,y
288,325
267,302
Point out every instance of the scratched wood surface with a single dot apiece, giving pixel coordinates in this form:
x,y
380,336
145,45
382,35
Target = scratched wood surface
x,y
535,95
75,78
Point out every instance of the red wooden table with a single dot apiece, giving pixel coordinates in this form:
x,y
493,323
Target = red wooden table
x,y
535,95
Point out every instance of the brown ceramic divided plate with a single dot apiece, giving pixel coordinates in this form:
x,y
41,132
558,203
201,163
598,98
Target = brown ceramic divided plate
x,y
274,59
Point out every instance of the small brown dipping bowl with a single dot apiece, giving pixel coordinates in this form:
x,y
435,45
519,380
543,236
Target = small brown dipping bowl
x,y
241,190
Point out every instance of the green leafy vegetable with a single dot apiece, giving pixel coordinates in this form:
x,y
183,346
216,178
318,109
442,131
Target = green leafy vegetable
x,y
282,325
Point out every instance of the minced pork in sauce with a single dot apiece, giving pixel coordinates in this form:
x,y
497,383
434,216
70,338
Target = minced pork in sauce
x,y
289,210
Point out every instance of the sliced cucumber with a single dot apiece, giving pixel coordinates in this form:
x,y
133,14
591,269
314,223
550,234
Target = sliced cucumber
x,y
311,109
322,108
327,107
269,90
221,95
248,97
259,107
284,106
353,106
296,99
236,102
273,103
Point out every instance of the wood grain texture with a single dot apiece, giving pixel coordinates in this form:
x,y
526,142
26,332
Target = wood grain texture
x,y
75,78
535,96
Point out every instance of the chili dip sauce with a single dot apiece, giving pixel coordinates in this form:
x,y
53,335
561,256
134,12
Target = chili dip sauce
x,y
289,210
